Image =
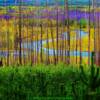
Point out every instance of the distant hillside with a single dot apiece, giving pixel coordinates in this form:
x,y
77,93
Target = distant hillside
x,y
43,2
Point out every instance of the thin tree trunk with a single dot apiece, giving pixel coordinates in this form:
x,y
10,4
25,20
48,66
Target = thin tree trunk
x,y
89,35
76,36
27,25
7,22
57,33
80,44
94,20
32,39
20,31
68,33
41,44
47,34
64,38
37,48
31,54
61,43
23,41
53,44
98,39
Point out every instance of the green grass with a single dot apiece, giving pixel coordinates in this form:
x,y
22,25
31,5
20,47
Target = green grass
x,y
41,82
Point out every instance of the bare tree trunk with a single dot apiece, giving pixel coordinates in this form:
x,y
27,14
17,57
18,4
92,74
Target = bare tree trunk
x,y
89,34
94,20
7,23
80,44
76,36
41,44
68,33
98,40
61,43
64,38
31,54
23,41
32,45
53,44
20,31
27,25
37,48
57,33
8,44
47,34
15,41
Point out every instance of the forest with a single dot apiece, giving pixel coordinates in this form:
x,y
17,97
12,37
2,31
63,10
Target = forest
x,y
49,49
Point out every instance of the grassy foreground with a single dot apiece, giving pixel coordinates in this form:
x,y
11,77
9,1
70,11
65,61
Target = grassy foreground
x,y
47,82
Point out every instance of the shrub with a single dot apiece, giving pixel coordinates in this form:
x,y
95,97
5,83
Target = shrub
x,y
40,82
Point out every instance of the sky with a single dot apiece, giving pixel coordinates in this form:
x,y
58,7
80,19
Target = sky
x,y
42,2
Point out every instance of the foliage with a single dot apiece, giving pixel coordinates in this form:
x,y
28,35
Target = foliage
x,y
83,23
41,81
91,80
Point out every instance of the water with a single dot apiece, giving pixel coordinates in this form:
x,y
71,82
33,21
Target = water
x,y
50,51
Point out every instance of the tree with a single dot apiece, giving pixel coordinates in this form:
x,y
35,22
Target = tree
x,y
83,23
47,32
89,33
7,23
68,32
20,31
